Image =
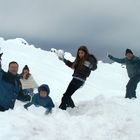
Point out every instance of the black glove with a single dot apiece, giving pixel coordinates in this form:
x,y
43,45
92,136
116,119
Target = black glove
x,y
62,59
25,106
1,55
110,56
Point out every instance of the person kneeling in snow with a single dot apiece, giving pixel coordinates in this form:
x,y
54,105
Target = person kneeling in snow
x,y
42,99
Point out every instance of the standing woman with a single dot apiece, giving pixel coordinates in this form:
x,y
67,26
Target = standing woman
x,y
83,65
27,81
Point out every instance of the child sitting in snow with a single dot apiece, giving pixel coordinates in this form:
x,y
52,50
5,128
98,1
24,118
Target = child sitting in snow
x,y
42,99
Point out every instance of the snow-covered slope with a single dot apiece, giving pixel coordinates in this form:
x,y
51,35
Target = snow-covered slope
x,y
102,113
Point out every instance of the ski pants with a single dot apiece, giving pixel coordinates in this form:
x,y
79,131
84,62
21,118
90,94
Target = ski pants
x,y
66,100
131,87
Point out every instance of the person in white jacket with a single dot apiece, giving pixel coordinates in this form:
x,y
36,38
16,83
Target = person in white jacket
x,y
27,81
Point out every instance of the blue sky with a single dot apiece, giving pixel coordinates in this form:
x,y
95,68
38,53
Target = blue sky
x,y
103,25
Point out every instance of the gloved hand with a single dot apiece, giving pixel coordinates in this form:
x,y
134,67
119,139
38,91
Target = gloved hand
x,y
1,55
25,106
60,58
110,56
48,110
60,54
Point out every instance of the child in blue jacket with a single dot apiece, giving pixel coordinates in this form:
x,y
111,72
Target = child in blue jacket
x,y
42,99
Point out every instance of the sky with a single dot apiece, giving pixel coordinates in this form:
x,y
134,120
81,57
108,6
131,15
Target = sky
x,y
102,25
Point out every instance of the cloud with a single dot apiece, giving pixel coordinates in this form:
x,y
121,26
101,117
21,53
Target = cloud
x,y
100,22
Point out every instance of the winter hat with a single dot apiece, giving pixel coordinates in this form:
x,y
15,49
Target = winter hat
x,y
44,87
128,51
26,68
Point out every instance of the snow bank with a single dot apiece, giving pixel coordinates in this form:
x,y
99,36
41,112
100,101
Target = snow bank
x,y
102,112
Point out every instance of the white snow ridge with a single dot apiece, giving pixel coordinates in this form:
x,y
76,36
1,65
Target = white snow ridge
x,y
101,112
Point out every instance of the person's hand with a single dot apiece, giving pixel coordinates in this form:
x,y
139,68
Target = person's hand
x,y
25,106
1,55
60,54
48,111
110,56
60,58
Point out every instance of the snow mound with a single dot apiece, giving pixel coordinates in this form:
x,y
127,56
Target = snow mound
x,y
101,112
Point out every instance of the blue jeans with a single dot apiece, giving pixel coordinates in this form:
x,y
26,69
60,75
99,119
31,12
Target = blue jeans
x,y
66,100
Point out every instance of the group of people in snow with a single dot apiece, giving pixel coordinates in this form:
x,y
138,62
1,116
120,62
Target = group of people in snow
x,y
21,87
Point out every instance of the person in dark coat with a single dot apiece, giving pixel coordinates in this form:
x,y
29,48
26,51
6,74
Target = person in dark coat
x,y
10,87
132,63
82,66
42,98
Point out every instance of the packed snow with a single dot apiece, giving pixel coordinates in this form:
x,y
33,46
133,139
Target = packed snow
x,y
101,112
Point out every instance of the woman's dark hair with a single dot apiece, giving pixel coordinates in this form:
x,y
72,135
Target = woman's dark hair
x,y
79,62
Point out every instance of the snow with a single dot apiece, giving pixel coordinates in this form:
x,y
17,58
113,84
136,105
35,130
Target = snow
x,y
101,113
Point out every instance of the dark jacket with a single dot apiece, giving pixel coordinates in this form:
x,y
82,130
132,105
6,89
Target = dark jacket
x,y
45,102
88,66
132,66
10,90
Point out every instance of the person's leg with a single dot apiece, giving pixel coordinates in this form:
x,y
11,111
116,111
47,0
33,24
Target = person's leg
x,y
131,87
66,99
70,103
